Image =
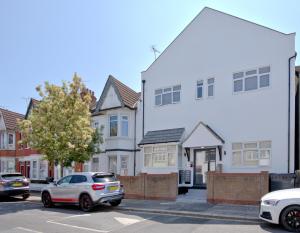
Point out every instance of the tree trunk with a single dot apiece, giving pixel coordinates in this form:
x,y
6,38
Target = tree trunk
x,y
61,170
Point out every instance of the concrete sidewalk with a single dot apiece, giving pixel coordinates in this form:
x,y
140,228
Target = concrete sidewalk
x,y
220,211
201,210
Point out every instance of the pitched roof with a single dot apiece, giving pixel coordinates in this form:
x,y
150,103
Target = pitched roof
x,y
202,136
162,136
216,11
33,102
127,96
10,118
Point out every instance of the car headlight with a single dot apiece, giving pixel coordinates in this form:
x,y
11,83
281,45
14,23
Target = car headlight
x,y
272,202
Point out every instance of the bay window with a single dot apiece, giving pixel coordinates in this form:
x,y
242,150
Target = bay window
x,y
160,156
113,126
124,126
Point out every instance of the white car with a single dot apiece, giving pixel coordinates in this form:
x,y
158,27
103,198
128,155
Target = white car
x,y
282,207
86,189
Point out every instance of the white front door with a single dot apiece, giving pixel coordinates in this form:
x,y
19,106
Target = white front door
x,y
204,161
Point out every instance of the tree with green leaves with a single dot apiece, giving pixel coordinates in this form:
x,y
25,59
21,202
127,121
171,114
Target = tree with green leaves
x,y
59,126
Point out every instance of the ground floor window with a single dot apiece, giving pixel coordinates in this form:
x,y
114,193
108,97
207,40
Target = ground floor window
x,y
124,165
112,164
43,173
34,169
251,153
160,156
95,164
7,165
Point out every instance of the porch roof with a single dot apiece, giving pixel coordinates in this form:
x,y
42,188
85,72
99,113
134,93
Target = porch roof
x,y
162,136
202,136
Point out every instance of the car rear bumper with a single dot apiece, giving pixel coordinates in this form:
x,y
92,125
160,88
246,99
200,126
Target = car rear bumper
x,y
110,198
14,192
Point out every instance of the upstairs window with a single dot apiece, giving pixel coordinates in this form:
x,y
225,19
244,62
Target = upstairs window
x,y
113,126
10,139
199,89
251,79
124,126
170,95
210,87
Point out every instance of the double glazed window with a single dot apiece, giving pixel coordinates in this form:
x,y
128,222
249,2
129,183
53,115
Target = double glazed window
x,y
170,95
160,156
251,79
199,89
124,126
113,126
251,154
210,84
210,87
10,139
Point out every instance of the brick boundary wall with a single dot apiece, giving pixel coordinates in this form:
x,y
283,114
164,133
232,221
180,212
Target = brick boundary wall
x,y
151,186
237,188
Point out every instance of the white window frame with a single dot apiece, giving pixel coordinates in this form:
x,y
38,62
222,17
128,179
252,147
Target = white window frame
x,y
122,121
243,150
202,87
10,134
164,91
213,85
244,76
109,125
163,155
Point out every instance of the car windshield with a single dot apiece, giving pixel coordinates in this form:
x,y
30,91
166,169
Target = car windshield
x,y
98,178
12,176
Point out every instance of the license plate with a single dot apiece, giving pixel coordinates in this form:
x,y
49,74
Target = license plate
x,y
17,184
113,188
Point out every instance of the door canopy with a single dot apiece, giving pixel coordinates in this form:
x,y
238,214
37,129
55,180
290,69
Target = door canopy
x,y
202,136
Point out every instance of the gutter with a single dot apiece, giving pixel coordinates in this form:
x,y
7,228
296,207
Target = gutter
x,y
289,110
143,87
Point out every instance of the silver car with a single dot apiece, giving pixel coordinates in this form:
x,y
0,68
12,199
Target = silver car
x,y
14,184
86,189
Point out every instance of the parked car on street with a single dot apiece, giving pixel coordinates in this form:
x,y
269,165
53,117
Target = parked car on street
x,y
14,184
282,207
85,189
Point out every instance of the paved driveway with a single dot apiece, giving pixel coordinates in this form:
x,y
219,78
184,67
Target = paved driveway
x,y
25,216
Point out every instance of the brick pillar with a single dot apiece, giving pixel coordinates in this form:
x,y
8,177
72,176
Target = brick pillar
x,y
210,186
264,183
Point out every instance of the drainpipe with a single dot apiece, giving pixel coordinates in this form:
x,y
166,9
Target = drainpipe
x,y
289,109
143,83
134,141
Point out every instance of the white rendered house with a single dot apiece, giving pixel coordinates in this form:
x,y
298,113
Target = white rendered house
x,y
117,113
220,97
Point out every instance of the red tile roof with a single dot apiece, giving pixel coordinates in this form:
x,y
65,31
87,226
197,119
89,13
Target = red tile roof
x,y
129,96
10,118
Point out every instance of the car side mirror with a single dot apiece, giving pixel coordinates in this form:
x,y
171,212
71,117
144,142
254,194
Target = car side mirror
x,y
50,180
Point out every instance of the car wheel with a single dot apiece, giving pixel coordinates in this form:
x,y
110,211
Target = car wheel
x,y
290,218
86,203
46,199
115,203
25,196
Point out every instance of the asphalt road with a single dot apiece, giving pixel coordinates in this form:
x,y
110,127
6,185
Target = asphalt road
x,y
18,216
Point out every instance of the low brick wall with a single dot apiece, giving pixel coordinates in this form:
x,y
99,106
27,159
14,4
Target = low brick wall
x,y
237,188
150,186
